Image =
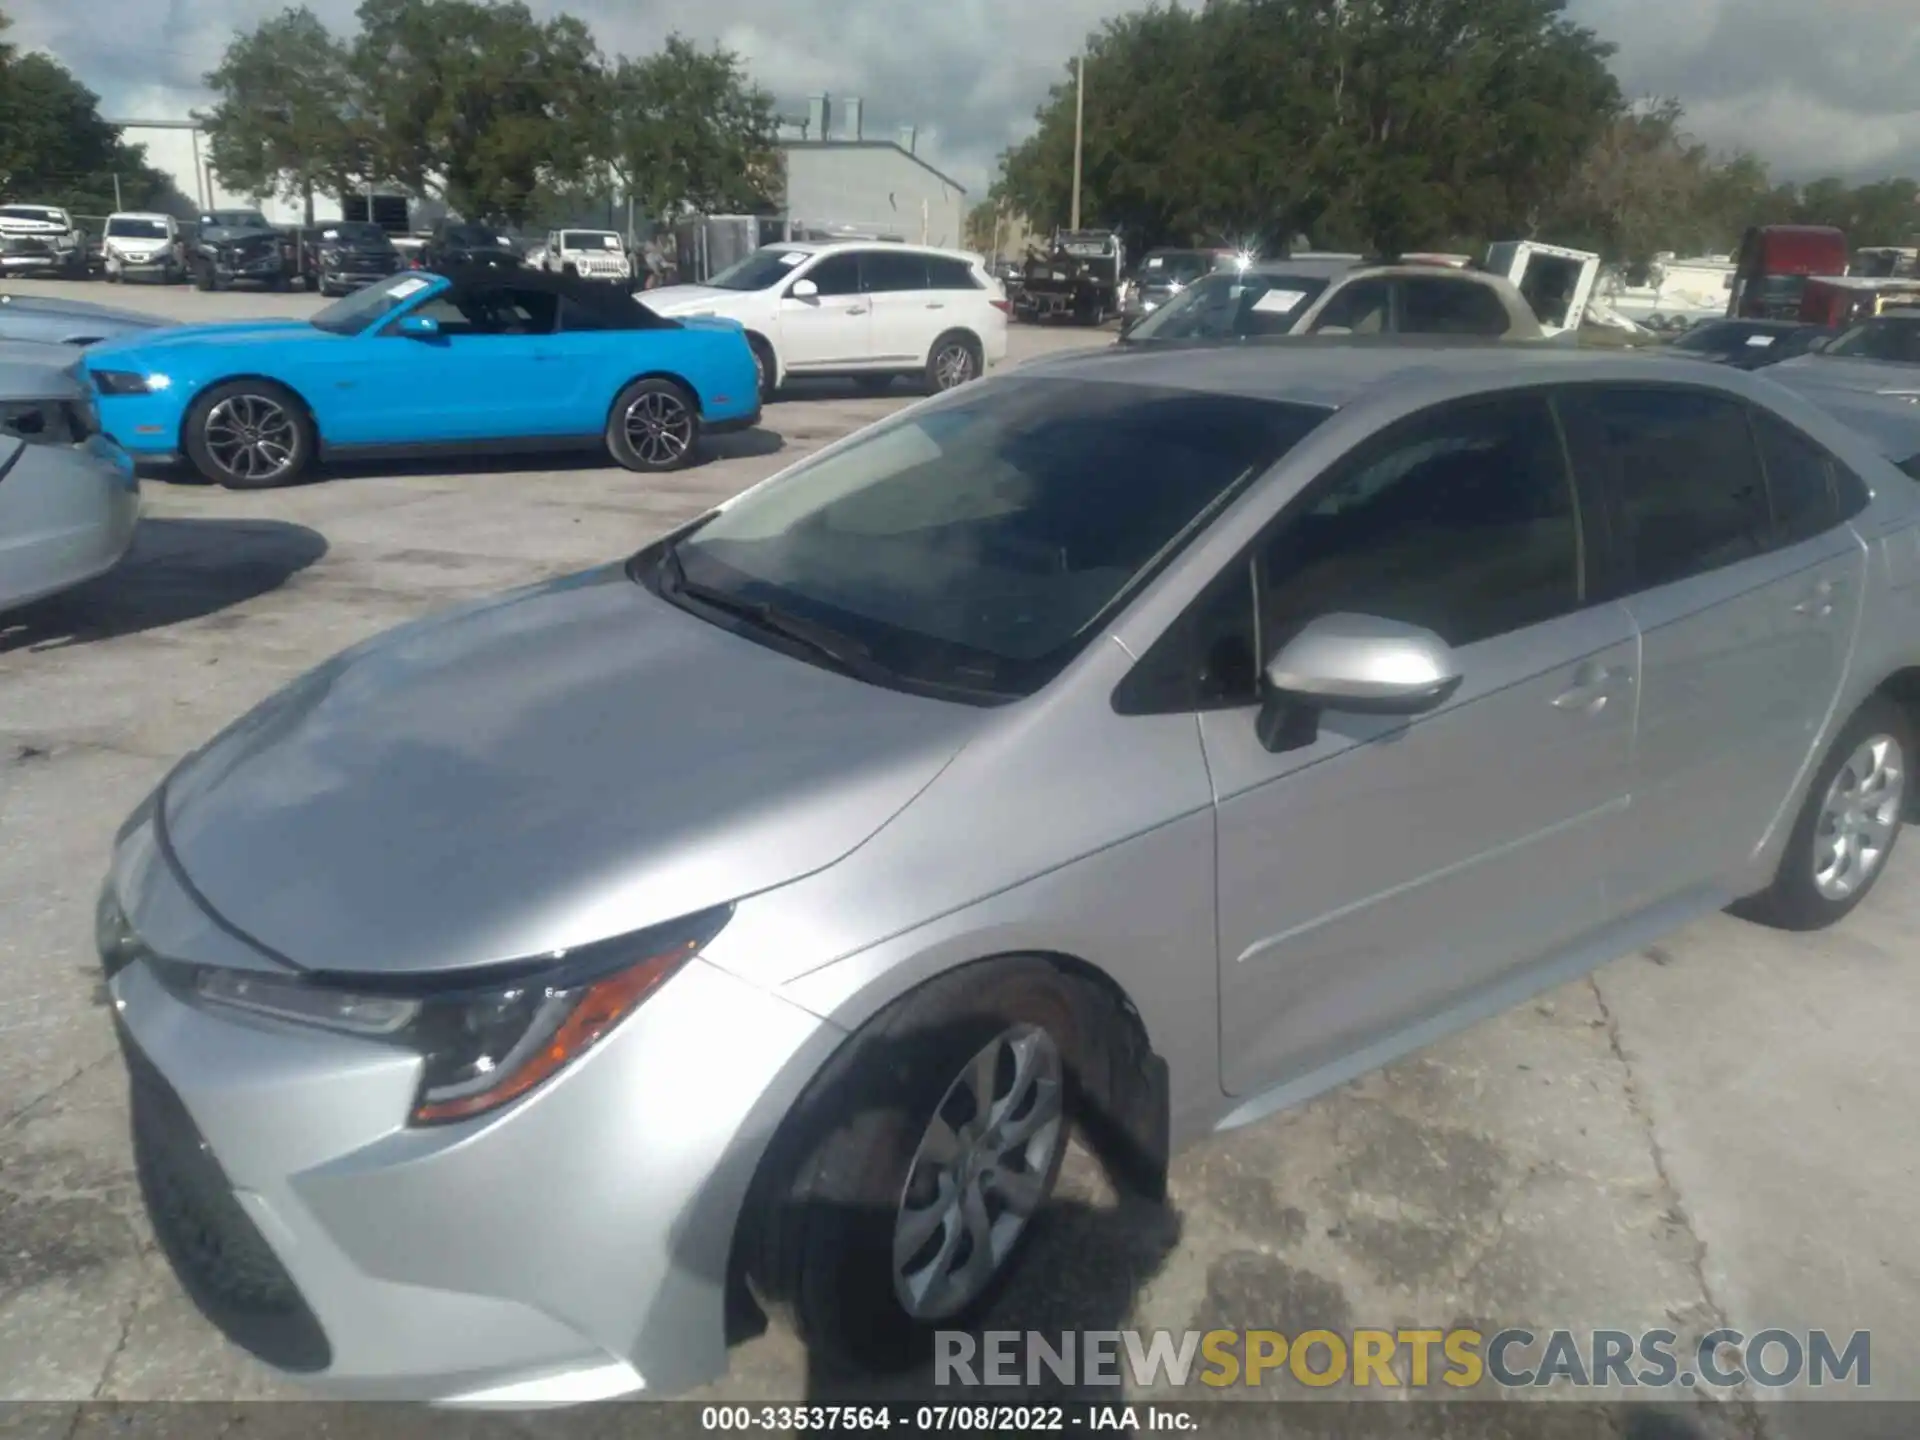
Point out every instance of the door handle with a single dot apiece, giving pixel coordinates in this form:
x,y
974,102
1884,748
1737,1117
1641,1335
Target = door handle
x,y
1591,689
1819,604
936,304
856,310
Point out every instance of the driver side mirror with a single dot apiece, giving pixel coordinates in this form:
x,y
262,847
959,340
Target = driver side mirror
x,y
1354,664
803,290
417,327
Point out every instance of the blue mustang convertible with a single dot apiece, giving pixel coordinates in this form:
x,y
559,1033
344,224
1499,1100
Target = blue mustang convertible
x,y
479,360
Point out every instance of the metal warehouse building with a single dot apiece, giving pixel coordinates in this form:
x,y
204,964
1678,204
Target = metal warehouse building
x,y
843,182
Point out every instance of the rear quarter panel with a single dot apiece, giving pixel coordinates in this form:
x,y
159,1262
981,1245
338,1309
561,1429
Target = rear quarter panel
x,y
709,356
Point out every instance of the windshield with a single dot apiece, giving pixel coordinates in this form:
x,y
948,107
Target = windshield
x,y
476,237
357,311
124,229
1223,307
759,270
353,232
1881,339
978,544
235,220
1179,269
31,212
589,240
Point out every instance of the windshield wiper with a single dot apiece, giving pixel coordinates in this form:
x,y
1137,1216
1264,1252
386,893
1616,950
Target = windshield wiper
x,y
842,650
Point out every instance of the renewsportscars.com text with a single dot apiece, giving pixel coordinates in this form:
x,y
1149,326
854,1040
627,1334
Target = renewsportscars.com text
x,y
1456,1359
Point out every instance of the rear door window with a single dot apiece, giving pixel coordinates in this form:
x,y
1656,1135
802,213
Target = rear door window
x,y
892,271
1679,474
1361,308
1437,306
945,274
1800,480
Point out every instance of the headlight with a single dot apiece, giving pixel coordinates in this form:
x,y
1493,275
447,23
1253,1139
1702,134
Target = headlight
x,y
484,1043
126,382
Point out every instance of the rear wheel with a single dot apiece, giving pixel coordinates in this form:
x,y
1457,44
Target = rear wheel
x,y
654,426
1847,826
249,435
954,360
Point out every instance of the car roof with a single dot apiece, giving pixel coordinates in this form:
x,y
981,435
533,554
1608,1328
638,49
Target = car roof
x,y
1304,269
613,305
829,247
139,215
1334,372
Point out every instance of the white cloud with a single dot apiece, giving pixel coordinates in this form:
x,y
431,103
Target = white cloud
x,y
1813,87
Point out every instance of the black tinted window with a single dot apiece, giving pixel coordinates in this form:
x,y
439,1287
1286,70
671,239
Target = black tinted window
x,y
1361,308
887,270
980,542
1680,474
950,275
1911,466
575,316
492,311
1450,307
836,275
1800,481
1462,521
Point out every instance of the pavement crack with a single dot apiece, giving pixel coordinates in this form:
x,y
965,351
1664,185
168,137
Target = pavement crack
x,y
21,1111
1675,1209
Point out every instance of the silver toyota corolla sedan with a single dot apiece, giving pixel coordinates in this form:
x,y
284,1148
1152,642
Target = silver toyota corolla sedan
x,y
1129,746
69,499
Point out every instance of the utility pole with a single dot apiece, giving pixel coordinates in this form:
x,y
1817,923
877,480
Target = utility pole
x,y
1079,127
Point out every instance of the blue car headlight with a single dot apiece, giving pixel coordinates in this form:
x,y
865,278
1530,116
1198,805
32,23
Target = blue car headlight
x,y
129,382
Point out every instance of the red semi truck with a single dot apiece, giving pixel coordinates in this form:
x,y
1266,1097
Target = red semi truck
x,y
1776,261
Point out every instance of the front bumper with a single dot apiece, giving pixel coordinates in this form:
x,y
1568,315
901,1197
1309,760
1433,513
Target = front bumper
x,y
264,267
147,427
31,264
574,1246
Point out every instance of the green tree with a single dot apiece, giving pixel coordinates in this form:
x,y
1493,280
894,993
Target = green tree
x,y
478,102
56,149
690,131
1387,124
288,121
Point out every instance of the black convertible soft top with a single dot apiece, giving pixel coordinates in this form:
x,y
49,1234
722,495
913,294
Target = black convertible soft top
x,y
612,305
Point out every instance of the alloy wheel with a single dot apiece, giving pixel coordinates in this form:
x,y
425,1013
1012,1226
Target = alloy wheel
x,y
953,366
979,1174
1858,818
252,437
659,427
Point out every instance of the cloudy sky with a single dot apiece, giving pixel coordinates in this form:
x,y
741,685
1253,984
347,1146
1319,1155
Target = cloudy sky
x,y
1815,86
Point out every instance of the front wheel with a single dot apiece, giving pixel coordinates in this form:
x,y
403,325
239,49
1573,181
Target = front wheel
x,y
654,426
1847,826
906,1180
249,435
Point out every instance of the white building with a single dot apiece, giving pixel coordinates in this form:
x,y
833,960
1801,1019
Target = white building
x,y
841,181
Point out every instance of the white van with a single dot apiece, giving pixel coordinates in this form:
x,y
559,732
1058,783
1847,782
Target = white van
x,y
142,245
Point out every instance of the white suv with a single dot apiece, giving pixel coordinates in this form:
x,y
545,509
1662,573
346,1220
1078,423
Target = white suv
x,y
589,254
872,310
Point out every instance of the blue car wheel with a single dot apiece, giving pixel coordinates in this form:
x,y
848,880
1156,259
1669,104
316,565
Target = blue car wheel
x,y
249,435
654,426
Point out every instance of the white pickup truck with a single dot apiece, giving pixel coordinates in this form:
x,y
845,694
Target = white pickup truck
x,y
41,240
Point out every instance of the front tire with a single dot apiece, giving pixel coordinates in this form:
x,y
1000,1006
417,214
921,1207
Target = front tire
x,y
654,427
203,279
766,368
954,360
1847,827
905,1182
249,435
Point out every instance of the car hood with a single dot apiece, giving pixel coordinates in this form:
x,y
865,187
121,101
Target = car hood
x,y
682,299
226,234
1839,372
233,332
79,309
559,765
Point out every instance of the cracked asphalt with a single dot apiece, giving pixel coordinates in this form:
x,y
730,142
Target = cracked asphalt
x,y
1715,1132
